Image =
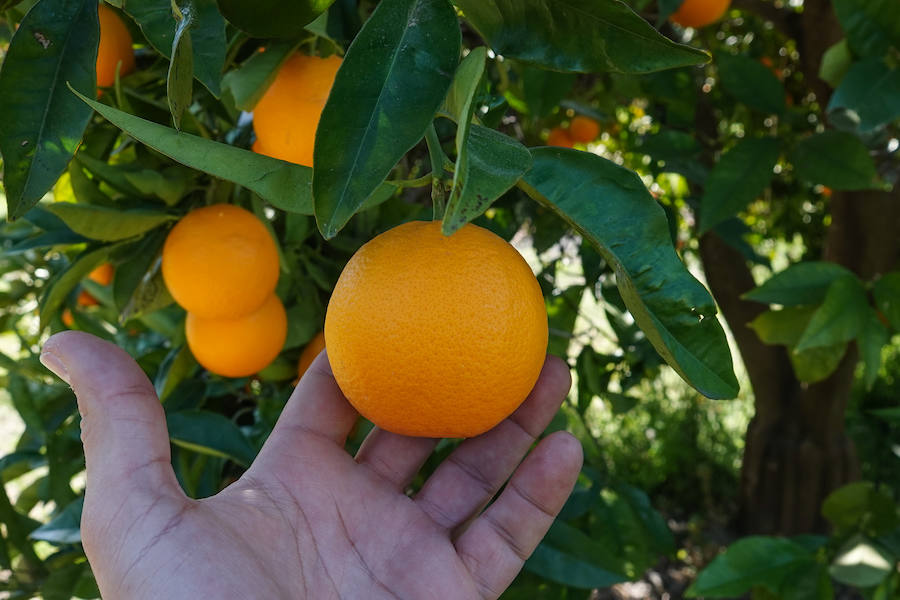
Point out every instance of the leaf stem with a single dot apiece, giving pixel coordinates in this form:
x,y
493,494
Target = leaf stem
x,y
413,183
439,183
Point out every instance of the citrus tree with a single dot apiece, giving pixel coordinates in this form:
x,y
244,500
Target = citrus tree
x,y
616,141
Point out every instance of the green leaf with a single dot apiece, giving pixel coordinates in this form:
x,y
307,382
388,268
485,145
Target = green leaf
x,y
800,283
150,295
568,556
751,83
272,18
782,327
42,121
749,562
283,184
861,564
180,80
108,224
573,35
860,504
816,364
836,62
64,528
460,99
836,159
129,274
610,207
158,24
249,82
60,285
871,25
543,90
392,81
873,337
869,93
840,318
490,165
210,433
887,298
738,178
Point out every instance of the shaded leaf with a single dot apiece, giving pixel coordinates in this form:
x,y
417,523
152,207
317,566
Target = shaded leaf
x,y
800,283
840,317
751,83
568,556
738,178
835,159
272,18
60,285
108,224
64,528
208,45
887,298
180,80
835,63
573,35
873,337
861,564
609,206
210,433
871,25
42,121
392,81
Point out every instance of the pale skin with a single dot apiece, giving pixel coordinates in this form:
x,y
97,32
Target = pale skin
x,y
308,520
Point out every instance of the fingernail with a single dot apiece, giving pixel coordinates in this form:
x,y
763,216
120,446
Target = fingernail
x,y
53,362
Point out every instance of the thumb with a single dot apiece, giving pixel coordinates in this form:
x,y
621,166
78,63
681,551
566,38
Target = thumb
x,y
123,426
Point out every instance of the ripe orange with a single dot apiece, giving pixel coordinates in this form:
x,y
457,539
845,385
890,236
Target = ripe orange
x,y
219,261
67,318
240,346
700,13
115,47
310,352
286,117
584,129
560,137
436,336
102,275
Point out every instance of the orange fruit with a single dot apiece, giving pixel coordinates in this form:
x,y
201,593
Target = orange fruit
x,y
115,47
67,318
310,352
220,261
560,137
584,129
436,336
700,13
286,117
240,346
102,275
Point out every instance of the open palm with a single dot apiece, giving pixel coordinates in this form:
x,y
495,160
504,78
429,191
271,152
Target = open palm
x,y
308,520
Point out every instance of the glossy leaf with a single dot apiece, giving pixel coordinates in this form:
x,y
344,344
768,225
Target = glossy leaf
x,y
835,159
208,45
576,35
862,564
840,317
42,121
180,80
871,25
283,184
108,224
887,298
64,528
272,18
749,562
800,283
392,81
249,82
751,83
491,164
210,433
740,176
610,207
869,94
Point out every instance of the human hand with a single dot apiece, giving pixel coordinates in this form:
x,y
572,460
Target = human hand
x,y
307,520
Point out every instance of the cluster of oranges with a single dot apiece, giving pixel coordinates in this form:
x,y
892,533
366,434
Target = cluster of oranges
x,y
221,265
581,130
